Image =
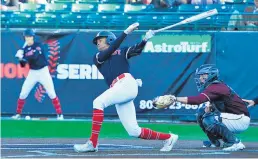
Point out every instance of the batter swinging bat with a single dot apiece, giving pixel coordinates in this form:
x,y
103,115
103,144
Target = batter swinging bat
x,y
191,19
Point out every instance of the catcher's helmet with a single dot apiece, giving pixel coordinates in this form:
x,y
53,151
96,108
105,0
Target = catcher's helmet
x,y
109,35
28,32
211,71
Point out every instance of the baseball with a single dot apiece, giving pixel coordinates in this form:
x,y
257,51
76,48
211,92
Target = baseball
x,y
27,117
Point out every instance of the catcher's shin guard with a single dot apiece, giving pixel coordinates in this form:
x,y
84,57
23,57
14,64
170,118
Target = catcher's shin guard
x,y
217,128
200,114
213,140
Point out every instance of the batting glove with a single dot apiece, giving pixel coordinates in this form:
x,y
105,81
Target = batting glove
x,y
131,28
149,34
19,54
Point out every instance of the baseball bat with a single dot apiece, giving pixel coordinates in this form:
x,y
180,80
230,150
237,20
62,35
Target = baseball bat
x,y
191,19
24,45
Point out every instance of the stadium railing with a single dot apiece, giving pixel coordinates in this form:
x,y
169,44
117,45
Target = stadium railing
x,y
110,16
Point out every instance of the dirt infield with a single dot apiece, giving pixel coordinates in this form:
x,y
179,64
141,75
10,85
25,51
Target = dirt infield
x,y
116,148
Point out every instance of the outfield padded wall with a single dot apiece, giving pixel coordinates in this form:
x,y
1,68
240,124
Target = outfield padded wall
x,y
166,65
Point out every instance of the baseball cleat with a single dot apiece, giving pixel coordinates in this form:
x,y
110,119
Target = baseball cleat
x,y
60,117
235,147
16,117
207,144
169,143
88,147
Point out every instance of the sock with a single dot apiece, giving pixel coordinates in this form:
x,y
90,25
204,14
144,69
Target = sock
x,y
57,105
153,135
97,119
20,104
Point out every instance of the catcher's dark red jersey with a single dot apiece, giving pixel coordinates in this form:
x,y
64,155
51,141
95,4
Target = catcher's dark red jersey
x,y
220,91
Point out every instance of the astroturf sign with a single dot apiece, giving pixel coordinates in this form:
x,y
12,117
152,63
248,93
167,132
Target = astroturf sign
x,y
179,44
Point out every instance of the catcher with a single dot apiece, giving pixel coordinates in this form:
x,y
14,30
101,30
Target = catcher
x,y
226,115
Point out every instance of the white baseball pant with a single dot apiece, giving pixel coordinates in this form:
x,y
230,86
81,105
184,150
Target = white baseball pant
x,y
42,76
235,123
122,95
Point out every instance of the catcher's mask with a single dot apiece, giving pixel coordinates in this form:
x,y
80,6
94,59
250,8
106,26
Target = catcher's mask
x,y
204,75
107,34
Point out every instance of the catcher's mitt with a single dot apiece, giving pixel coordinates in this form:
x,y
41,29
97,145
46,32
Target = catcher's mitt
x,y
164,101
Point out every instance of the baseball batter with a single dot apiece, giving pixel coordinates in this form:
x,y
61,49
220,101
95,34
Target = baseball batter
x,y
33,54
112,62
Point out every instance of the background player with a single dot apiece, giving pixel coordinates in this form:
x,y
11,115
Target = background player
x,y
227,113
112,62
33,54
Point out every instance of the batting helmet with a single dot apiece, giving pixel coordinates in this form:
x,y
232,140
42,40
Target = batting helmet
x,y
28,32
109,35
211,71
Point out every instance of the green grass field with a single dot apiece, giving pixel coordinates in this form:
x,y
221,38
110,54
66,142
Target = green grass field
x,y
82,129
